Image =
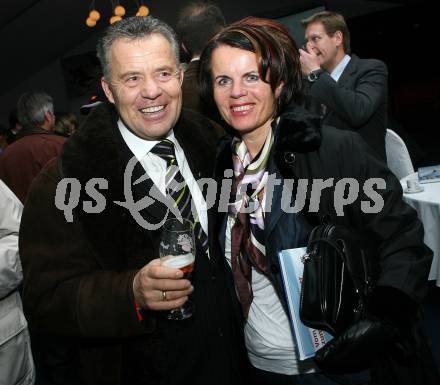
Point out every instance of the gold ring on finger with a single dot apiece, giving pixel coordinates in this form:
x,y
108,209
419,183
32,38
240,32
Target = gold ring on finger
x,y
164,296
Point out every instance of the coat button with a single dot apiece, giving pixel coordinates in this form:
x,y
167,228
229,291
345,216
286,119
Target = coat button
x,y
289,157
275,269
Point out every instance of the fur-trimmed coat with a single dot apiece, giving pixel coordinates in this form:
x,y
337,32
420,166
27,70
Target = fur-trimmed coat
x,y
78,275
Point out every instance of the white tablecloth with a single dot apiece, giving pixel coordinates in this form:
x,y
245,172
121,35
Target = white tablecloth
x,y
427,204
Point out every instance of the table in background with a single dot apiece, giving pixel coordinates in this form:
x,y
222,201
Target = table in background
x,y
427,204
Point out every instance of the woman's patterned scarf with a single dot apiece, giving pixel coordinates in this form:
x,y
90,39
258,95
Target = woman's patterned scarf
x,y
247,236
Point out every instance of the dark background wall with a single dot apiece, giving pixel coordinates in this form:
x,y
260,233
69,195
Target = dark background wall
x,y
43,51
404,38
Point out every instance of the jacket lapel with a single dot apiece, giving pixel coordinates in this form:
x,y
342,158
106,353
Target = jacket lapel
x,y
348,71
272,207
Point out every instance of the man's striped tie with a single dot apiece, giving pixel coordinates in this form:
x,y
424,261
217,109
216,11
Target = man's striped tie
x,y
178,190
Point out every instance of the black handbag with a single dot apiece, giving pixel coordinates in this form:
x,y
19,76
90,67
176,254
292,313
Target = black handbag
x,y
336,279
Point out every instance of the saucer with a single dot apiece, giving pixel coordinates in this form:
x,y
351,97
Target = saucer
x,y
412,191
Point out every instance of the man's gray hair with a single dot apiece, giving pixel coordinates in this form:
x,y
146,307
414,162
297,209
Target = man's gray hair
x,y
133,28
32,106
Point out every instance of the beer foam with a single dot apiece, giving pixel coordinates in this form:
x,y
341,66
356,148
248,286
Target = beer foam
x,y
179,261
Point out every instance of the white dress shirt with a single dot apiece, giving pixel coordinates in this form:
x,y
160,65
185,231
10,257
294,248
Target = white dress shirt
x,y
337,72
156,167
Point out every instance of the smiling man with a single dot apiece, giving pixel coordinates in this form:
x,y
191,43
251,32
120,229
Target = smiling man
x,y
352,92
97,279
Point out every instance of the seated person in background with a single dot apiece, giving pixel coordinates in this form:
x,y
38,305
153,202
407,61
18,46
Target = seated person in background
x,y
353,92
251,70
16,364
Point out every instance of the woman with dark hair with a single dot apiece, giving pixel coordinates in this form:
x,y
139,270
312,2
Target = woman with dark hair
x,y
251,71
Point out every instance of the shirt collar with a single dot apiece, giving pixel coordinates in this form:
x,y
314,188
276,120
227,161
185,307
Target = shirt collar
x,y
138,146
337,72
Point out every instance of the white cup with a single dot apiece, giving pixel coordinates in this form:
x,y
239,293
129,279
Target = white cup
x,y
412,184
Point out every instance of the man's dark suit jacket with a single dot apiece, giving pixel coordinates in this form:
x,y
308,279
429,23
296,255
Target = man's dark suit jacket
x,y
358,101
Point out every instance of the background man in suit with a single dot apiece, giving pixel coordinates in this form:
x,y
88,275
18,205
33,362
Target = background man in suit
x,y
352,91
97,278
196,24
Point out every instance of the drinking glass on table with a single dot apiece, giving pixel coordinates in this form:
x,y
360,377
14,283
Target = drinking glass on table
x,y
177,249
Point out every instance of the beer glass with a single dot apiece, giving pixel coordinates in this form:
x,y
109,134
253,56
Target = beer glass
x,y
177,249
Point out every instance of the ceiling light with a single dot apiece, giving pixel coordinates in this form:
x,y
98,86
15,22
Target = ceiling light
x,y
118,12
94,15
114,19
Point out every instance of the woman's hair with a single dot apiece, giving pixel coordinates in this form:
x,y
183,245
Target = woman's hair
x,y
277,57
66,123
